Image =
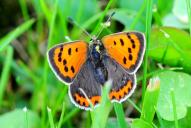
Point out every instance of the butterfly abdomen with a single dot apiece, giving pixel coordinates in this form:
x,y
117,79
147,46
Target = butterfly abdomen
x,y
101,75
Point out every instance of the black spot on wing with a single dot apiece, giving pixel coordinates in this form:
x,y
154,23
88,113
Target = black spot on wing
x,y
64,62
72,68
124,60
130,57
66,69
76,49
122,42
129,50
69,51
114,43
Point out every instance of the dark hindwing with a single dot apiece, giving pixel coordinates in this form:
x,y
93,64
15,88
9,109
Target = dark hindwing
x,y
85,81
123,84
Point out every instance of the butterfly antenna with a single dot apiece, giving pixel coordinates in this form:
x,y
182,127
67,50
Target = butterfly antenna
x,y
75,23
106,24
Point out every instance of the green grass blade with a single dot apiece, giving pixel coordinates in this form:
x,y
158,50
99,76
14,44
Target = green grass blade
x,y
70,115
100,114
62,115
5,72
46,11
134,105
150,100
45,74
148,31
15,33
50,118
120,115
174,107
26,117
138,16
97,28
188,3
23,5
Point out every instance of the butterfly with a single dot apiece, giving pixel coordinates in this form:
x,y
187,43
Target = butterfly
x,y
85,68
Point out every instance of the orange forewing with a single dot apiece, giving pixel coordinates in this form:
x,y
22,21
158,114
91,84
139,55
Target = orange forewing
x,y
126,48
67,59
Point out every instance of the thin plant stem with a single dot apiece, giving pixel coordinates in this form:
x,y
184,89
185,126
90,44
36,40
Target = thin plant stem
x,y
148,31
174,108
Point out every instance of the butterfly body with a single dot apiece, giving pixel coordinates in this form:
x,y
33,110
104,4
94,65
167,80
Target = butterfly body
x,y
86,68
96,57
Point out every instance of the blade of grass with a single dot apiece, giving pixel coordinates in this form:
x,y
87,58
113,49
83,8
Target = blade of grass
x,y
24,10
5,72
50,118
26,116
120,115
46,11
138,16
60,98
44,80
174,108
97,28
134,105
150,100
15,33
100,114
70,115
157,16
188,3
62,115
148,32
159,119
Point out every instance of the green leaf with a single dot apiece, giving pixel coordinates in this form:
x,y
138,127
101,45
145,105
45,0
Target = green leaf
x,y
139,123
171,46
17,119
15,33
180,82
183,123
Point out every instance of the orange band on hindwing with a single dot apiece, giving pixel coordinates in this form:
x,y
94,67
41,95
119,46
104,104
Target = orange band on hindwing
x,y
122,92
82,101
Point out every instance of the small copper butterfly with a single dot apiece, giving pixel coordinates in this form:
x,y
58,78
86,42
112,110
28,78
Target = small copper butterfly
x,y
87,67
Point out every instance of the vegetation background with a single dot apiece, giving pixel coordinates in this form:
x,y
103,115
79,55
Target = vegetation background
x,y
32,97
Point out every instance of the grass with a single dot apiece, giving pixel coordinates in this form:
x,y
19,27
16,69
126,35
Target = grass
x,y
61,116
50,117
120,115
5,72
147,34
50,43
174,107
6,40
31,83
